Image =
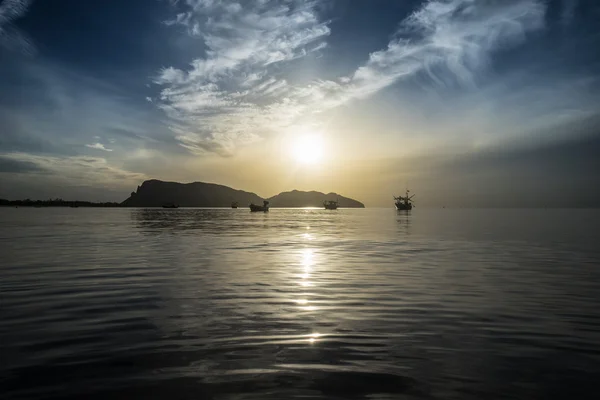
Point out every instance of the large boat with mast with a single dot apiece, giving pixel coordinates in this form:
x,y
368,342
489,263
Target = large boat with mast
x,y
404,202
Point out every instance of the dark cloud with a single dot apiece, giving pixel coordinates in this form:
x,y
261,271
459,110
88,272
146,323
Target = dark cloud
x,y
8,165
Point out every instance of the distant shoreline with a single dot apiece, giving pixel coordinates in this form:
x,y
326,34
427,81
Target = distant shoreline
x,y
55,203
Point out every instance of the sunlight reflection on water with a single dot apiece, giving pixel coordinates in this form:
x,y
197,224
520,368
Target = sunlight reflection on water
x,y
298,303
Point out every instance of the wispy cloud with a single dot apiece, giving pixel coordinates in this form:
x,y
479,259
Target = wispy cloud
x,y
11,37
97,146
448,38
234,94
221,100
445,40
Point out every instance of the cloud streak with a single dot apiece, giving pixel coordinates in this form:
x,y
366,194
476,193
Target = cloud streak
x,y
76,170
11,37
235,95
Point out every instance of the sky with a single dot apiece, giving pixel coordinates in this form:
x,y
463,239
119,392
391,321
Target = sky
x,y
469,103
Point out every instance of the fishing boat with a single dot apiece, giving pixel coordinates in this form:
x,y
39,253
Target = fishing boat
x,y
330,204
234,204
170,205
404,202
264,207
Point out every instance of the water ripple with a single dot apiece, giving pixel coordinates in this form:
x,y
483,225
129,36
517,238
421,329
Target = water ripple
x,y
225,304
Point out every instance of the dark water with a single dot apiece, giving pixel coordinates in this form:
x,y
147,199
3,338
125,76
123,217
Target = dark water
x,y
347,304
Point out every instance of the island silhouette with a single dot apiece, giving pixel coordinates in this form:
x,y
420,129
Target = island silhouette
x,y
156,193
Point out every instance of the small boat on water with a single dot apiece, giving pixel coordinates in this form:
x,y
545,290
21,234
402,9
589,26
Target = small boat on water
x,y
264,207
234,204
331,204
404,202
170,205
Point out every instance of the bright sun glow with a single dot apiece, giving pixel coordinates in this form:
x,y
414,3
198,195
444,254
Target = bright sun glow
x,y
308,148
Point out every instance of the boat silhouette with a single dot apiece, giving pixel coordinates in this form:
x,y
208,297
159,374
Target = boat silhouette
x,y
256,208
404,202
330,204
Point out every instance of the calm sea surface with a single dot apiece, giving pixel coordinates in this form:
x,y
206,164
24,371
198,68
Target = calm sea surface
x,y
294,303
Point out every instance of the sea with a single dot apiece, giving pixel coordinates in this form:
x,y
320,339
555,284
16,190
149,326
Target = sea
x,y
192,303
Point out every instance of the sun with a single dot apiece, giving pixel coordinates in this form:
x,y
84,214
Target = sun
x,y
308,148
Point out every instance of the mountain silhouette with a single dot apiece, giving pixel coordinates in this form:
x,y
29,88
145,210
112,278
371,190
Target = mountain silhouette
x,y
156,193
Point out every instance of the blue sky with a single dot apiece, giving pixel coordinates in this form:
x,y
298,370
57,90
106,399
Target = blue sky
x,y
468,99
